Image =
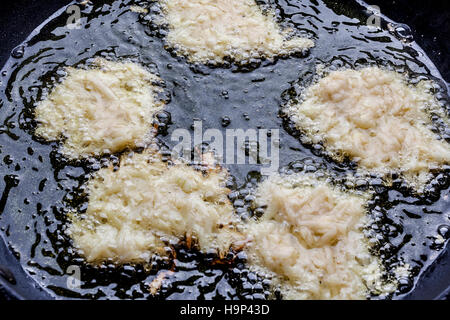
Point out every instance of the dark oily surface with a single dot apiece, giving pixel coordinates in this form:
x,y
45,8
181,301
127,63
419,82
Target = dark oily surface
x,y
40,187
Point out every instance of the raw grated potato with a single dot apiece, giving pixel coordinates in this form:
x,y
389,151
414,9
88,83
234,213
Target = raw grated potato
x,y
102,110
134,210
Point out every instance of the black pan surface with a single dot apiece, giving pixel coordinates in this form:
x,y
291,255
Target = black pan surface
x,y
39,186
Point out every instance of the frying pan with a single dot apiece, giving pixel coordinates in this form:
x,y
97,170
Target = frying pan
x,y
19,18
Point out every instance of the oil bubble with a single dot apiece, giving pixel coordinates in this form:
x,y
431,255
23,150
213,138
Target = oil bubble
x,y
18,52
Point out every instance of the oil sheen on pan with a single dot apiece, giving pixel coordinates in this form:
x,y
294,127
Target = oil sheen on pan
x,y
43,186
